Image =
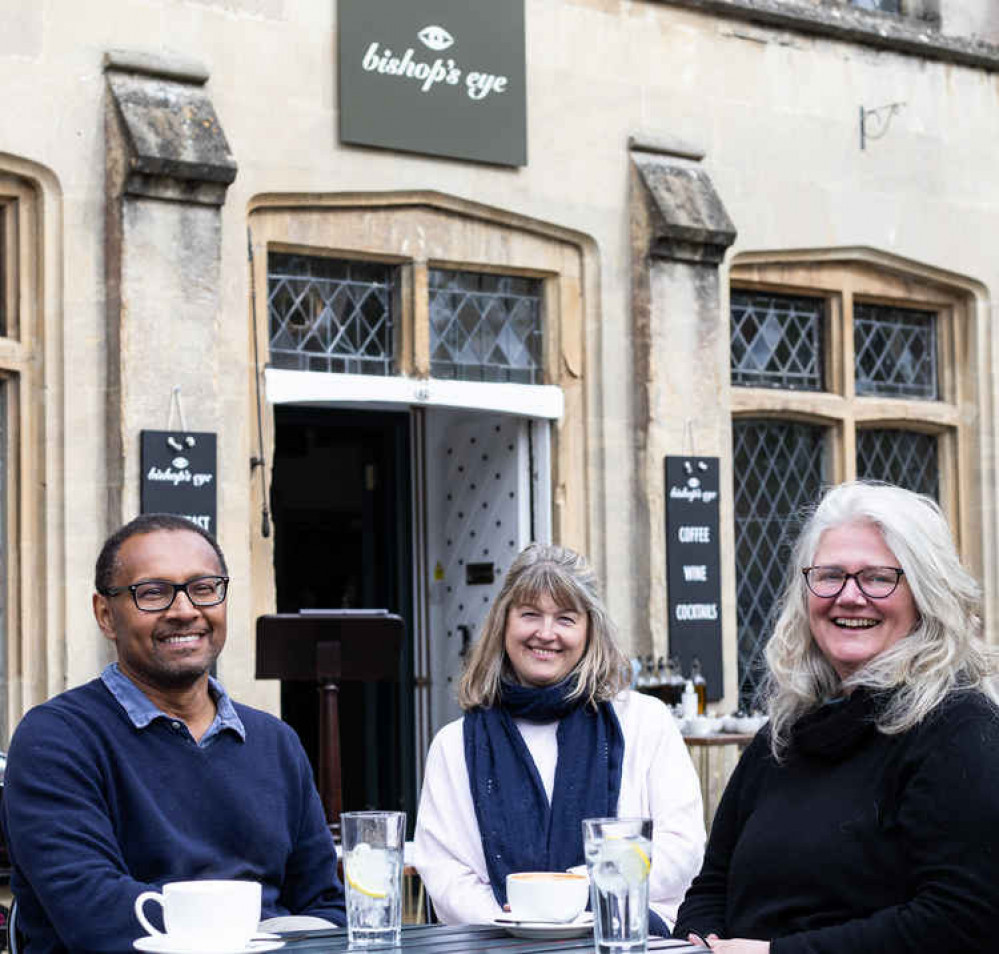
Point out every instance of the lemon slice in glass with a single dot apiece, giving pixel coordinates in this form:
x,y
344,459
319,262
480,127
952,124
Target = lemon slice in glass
x,y
621,867
368,871
634,864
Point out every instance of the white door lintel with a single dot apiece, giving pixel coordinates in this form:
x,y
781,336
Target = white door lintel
x,y
313,387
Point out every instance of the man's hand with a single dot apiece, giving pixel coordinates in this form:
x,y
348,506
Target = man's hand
x,y
735,945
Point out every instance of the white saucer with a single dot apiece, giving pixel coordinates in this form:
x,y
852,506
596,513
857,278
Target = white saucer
x,y
164,944
541,930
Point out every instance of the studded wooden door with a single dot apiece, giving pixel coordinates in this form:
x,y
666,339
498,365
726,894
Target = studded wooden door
x,y
487,497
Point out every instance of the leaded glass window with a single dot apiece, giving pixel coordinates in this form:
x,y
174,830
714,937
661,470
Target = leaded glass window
x,y
330,315
776,340
884,6
906,458
485,327
895,351
779,470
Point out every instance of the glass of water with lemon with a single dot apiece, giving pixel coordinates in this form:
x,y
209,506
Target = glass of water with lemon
x,y
618,859
372,868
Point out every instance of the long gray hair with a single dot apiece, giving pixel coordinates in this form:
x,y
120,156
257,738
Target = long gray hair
x,y
944,652
566,577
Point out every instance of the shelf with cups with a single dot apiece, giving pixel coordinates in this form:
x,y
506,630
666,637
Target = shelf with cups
x,y
735,729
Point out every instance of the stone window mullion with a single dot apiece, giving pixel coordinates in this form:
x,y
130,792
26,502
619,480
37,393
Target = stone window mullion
x,y
403,307
420,314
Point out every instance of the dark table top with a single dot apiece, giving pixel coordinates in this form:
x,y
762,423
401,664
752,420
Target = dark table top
x,y
438,939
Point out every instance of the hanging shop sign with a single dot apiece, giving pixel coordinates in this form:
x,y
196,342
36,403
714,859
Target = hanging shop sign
x,y
179,475
693,566
444,77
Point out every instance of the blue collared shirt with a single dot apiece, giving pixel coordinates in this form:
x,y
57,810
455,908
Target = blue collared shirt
x,y
142,712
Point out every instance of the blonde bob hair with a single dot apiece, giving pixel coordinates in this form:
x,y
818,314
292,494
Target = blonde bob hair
x,y
567,578
944,652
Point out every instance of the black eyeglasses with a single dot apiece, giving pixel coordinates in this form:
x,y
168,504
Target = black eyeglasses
x,y
154,596
875,582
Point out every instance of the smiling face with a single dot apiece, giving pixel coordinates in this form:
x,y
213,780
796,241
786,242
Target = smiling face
x,y
169,649
544,641
850,629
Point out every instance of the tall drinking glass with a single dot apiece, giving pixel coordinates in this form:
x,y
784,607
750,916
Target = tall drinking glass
x,y
372,867
618,858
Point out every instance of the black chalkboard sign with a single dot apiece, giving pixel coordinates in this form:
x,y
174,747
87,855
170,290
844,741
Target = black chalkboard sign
x,y
693,567
179,475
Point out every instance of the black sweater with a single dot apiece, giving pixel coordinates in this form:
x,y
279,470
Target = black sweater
x,y
859,841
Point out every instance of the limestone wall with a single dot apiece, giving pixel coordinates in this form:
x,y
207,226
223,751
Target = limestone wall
x,y
774,110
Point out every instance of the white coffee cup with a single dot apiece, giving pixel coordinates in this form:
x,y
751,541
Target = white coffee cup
x,y
700,726
207,915
547,895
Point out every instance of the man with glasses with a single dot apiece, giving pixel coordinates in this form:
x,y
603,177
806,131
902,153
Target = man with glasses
x,y
151,773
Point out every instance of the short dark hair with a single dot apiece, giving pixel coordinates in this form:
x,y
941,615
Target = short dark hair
x,y
107,560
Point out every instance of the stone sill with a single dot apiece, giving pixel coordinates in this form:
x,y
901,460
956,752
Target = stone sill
x,y
883,31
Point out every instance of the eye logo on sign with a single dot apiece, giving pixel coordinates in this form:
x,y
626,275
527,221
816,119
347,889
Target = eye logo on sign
x,y
435,37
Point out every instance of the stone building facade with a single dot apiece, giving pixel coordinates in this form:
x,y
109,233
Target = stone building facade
x,y
753,230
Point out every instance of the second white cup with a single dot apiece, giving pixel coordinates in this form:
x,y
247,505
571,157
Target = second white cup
x,y
546,895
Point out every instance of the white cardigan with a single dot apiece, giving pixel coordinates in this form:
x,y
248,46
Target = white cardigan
x,y
657,781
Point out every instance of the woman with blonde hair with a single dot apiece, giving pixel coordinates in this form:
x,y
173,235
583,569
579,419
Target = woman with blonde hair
x,y
550,736
863,817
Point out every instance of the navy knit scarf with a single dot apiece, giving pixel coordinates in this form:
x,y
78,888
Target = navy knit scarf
x,y
520,830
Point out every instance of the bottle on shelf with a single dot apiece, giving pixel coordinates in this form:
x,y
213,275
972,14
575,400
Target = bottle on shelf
x,y
652,688
645,676
689,700
662,680
675,694
700,686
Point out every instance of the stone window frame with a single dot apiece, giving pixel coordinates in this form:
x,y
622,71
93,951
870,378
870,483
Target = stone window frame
x,y
29,358
959,418
417,231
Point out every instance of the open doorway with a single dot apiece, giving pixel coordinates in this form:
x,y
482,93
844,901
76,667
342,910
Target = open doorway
x,y
340,496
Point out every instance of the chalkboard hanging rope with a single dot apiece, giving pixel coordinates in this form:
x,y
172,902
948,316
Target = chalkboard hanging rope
x,y
258,460
172,441
688,449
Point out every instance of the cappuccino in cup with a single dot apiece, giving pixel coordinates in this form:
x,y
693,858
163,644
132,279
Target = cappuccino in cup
x,y
556,896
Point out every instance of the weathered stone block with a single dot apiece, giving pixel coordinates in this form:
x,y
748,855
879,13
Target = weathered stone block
x,y
174,145
689,222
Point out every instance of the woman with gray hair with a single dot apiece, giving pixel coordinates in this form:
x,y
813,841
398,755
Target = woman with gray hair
x,y
864,817
550,736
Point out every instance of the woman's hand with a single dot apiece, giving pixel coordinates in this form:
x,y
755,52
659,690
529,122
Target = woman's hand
x,y
735,945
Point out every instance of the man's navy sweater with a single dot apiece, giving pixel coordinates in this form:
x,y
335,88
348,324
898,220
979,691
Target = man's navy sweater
x,y
97,811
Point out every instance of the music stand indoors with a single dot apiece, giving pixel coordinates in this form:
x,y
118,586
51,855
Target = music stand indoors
x,y
323,647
